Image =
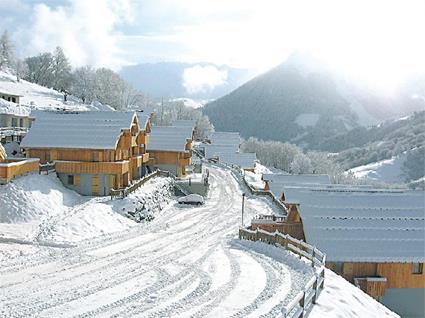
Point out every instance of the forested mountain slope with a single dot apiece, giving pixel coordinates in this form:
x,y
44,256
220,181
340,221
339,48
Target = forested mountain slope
x,y
301,101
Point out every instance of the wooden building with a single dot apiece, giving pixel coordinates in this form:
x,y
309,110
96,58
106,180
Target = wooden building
x,y
93,152
373,238
11,168
170,148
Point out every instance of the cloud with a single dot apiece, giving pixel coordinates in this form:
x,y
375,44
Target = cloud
x,y
197,79
84,29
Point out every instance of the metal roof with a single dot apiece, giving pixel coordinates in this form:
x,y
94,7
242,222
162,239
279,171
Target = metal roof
x,y
85,130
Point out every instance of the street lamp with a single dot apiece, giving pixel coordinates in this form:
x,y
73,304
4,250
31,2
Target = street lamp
x,y
243,205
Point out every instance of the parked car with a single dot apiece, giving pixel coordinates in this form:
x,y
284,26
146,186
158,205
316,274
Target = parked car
x,y
193,199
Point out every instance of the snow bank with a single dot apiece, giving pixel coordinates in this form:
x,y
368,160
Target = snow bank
x,y
33,197
339,299
39,207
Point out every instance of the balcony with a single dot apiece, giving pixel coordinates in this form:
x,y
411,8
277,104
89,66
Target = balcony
x,y
12,168
373,286
118,167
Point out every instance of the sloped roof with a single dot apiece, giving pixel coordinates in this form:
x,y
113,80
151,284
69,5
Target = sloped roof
x,y
212,151
293,179
184,122
225,138
169,138
85,130
243,160
363,225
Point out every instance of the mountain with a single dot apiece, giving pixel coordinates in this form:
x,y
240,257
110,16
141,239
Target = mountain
x,y
175,79
304,102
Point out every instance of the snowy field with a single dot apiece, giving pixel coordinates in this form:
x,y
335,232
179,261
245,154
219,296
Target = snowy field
x,y
185,263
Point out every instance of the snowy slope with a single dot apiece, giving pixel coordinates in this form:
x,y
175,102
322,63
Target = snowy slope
x,y
39,207
341,299
389,170
35,96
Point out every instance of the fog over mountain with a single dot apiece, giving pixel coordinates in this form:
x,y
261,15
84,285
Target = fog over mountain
x,y
175,79
303,101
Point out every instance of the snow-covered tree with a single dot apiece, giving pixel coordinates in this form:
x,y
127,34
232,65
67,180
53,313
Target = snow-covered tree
x,y
61,70
7,52
84,84
40,69
301,164
20,69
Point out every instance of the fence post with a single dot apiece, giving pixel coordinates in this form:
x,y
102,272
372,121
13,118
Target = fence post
x,y
302,305
313,256
315,290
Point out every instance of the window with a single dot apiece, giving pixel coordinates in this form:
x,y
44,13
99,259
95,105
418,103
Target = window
x,y
14,99
14,122
417,268
70,180
21,122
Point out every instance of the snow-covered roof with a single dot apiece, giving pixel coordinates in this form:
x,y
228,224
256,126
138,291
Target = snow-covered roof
x,y
184,122
5,92
292,179
85,130
225,138
243,160
169,138
212,151
363,225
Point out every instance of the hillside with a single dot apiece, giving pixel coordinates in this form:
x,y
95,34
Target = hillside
x,y
201,81
402,141
35,96
302,102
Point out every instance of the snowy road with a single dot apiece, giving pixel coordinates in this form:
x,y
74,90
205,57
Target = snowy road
x,y
186,263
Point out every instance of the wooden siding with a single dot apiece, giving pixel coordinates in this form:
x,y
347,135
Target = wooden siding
x,y
372,286
87,155
95,185
164,157
400,275
10,169
76,167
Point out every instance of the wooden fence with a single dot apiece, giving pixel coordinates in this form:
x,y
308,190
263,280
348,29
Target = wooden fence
x,y
303,301
122,193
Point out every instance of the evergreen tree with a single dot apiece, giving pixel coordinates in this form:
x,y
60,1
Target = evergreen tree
x,y
61,70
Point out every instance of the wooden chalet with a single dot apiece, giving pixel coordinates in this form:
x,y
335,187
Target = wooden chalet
x,y
373,238
93,152
170,148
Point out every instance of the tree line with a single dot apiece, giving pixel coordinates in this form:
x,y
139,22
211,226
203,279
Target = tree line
x,y
54,70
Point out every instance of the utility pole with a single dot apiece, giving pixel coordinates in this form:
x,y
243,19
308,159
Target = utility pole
x,y
243,205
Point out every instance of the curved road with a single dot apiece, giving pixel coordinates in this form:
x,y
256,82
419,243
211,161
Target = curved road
x,y
186,263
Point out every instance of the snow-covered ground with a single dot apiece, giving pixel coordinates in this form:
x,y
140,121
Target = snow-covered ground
x,y
388,171
185,263
39,208
35,96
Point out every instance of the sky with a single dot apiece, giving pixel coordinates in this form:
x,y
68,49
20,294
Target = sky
x,y
381,42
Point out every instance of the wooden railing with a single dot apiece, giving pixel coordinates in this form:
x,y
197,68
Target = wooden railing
x,y
302,302
122,193
12,131
47,167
